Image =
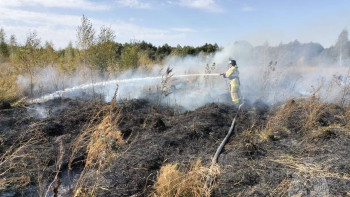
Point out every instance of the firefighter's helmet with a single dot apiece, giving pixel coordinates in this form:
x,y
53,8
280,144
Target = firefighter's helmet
x,y
232,62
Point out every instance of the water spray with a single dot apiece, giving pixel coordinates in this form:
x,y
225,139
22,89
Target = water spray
x,y
59,93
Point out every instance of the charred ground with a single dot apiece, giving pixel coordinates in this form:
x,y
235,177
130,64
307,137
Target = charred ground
x,y
300,147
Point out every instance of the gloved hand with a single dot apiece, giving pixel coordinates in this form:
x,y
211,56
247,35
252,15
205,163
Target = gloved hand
x,y
223,75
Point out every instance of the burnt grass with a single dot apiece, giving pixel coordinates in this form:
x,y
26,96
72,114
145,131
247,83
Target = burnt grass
x,y
298,162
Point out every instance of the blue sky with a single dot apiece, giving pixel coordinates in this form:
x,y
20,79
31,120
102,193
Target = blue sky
x,y
185,22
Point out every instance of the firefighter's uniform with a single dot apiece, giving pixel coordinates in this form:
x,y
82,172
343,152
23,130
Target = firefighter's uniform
x,y
233,74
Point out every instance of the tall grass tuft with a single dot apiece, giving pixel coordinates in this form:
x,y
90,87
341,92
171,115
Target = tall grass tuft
x,y
100,143
174,182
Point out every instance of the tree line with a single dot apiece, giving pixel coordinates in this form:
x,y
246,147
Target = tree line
x,y
95,49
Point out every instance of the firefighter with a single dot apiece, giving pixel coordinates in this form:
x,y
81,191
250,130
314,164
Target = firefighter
x,y
233,75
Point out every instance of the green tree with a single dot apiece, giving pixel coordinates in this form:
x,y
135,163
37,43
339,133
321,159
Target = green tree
x,y
49,55
85,38
130,57
69,59
163,51
183,51
85,34
105,49
188,50
13,46
4,51
28,57
207,48
85,41
177,51
148,50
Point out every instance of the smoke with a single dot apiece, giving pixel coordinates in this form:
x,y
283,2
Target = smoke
x,y
37,111
269,74
49,79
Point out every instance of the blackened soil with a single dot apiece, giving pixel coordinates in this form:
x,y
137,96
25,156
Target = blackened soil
x,y
287,165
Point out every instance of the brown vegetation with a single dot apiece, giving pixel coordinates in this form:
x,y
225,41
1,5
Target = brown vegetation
x,y
302,116
8,87
171,181
101,143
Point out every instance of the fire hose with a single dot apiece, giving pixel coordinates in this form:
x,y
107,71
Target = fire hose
x,y
214,161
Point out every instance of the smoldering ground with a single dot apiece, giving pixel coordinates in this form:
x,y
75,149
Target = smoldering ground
x,y
291,160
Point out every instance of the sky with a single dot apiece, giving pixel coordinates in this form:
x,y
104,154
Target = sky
x,y
184,22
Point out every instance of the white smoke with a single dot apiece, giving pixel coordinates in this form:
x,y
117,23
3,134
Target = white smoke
x,y
271,75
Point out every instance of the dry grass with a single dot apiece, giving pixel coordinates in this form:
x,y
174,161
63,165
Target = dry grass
x,y
174,182
282,188
100,143
104,138
273,128
328,132
302,114
312,108
306,171
301,165
164,89
294,116
56,180
24,162
8,84
18,182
